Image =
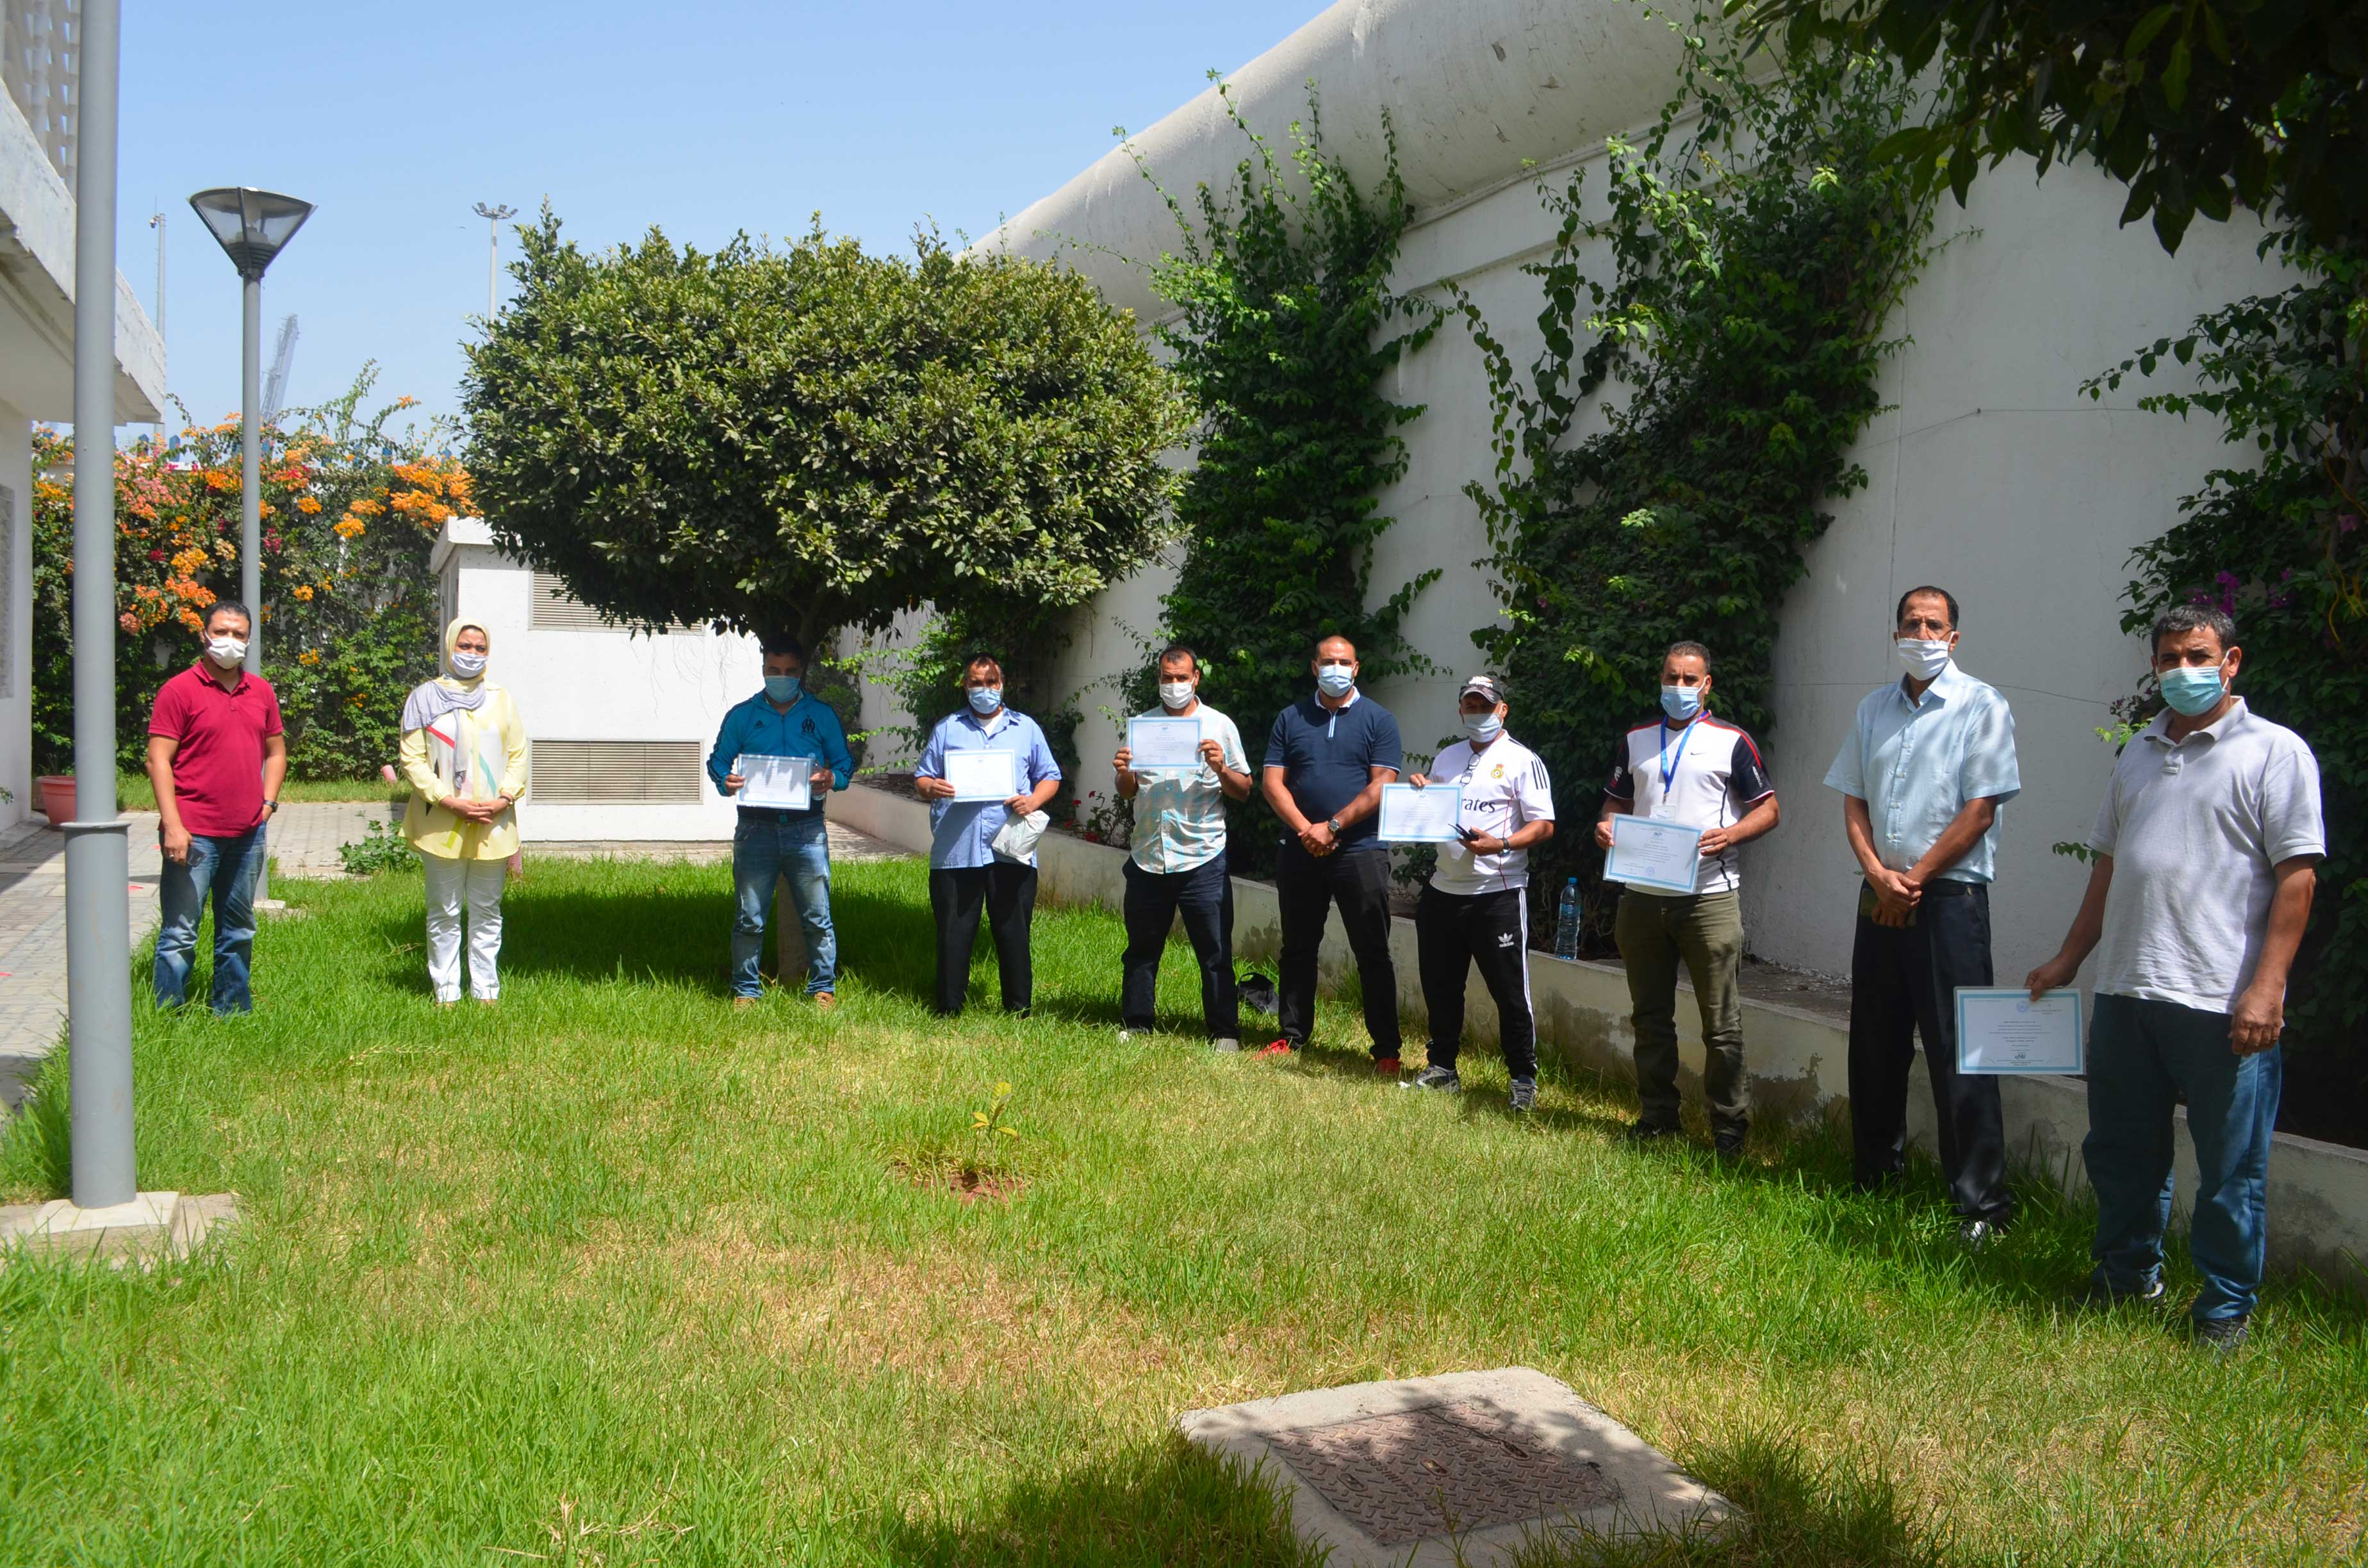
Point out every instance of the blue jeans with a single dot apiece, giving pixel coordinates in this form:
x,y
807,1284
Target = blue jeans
x,y
227,868
2140,1055
763,849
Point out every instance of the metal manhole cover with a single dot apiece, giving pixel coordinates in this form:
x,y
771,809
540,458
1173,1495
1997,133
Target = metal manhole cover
x,y
1421,1473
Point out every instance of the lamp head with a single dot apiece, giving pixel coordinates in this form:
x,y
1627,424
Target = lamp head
x,y
251,225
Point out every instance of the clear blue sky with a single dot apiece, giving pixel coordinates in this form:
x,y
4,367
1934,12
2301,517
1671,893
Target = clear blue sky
x,y
700,117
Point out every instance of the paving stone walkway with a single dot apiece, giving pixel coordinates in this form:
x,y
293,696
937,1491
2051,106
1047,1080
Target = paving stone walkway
x,y
303,843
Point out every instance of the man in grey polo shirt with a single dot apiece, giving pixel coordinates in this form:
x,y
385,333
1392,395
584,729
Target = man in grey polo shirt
x,y
2207,849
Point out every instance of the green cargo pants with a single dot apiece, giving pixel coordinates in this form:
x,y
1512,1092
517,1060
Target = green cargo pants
x,y
1705,931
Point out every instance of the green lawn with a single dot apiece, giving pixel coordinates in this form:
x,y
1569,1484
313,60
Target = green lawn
x,y
135,793
614,1274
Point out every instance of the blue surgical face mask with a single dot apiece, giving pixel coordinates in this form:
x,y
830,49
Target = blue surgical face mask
x,y
2193,689
1681,702
1483,727
784,689
1335,680
985,700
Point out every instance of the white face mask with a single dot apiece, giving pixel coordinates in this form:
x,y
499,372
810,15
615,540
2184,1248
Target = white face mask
x,y
226,651
468,666
1925,660
1174,694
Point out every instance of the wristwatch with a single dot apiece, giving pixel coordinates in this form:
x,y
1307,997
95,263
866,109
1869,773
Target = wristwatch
x,y
1335,826
272,806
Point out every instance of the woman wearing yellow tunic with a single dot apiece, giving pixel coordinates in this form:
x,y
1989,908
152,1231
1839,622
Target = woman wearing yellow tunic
x,y
464,755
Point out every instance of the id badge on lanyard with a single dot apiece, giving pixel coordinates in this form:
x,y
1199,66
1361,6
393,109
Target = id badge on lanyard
x,y
1665,808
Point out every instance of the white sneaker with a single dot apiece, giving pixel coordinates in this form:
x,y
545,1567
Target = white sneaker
x,y
1227,1044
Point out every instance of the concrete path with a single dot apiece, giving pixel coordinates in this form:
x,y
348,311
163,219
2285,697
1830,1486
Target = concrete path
x,y
303,841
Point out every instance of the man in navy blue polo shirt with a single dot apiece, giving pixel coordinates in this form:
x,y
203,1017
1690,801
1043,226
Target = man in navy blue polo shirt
x,y
783,720
1326,759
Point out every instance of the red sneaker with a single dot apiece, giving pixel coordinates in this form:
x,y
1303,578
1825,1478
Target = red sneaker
x,y
1280,1048
1386,1066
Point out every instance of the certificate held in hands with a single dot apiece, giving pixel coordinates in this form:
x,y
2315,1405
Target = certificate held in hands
x,y
1163,743
1428,815
782,783
982,774
1652,852
2002,1029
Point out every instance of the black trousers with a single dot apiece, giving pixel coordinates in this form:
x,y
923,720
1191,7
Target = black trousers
x,y
1009,891
1903,983
1454,931
1306,888
1205,895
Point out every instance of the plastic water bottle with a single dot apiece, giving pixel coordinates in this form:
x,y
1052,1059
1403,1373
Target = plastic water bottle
x,y
1566,922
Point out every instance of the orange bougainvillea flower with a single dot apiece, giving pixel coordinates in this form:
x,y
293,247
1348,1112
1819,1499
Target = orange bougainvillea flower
x,y
303,592
348,528
309,656
217,479
308,504
366,508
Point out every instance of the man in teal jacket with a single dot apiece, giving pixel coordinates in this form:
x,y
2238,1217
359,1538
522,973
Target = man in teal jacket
x,y
783,721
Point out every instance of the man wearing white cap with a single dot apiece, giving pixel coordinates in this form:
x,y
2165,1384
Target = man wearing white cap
x,y
1475,910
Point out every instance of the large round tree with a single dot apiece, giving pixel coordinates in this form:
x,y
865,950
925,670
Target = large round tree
x,y
807,437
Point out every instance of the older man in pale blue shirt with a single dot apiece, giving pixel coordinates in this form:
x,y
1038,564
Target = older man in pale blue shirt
x,y
965,870
1929,762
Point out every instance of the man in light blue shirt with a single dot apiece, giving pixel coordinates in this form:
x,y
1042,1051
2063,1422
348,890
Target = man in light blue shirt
x,y
1178,859
1927,766
772,842
965,872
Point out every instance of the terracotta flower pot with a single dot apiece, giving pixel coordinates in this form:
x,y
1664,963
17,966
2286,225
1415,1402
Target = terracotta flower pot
x,y
57,797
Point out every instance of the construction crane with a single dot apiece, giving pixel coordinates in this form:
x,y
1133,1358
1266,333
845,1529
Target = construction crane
x,y
275,386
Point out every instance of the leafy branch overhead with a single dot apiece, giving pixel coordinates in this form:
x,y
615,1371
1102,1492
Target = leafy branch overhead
x,y
808,437
2197,106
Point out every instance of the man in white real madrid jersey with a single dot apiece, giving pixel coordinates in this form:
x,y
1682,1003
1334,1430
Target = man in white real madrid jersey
x,y
1474,909
1688,767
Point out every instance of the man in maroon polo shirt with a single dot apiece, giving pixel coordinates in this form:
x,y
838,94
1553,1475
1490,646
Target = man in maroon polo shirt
x,y
216,756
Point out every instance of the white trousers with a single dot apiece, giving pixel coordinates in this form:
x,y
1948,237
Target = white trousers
x,y
479,883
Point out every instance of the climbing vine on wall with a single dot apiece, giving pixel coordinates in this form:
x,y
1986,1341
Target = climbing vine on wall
x,y
1285,330
1755,249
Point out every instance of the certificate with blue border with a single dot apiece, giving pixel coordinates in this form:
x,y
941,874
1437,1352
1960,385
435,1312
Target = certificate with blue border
x,y
2002,1029
1652,852
1424,815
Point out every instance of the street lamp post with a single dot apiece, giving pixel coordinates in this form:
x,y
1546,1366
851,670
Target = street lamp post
x,y
252,226
98,905
493,217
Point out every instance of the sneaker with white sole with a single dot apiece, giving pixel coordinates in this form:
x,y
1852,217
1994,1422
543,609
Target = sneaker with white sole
x,y
1523,1098
1227,1044
1441,1078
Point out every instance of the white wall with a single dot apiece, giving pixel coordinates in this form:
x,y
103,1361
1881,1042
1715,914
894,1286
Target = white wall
x,y
1992,476
600,686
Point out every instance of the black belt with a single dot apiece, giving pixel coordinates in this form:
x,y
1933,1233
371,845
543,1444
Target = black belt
x,y
778,814
1950,887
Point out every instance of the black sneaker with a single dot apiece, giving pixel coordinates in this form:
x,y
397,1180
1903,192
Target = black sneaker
x,y
1727,1145
2221,1335
1642,1131
1524,1097
1978,1235
1441,1078
2102,1293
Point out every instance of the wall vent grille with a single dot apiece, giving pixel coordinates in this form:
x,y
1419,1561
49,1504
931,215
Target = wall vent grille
x,y
554,609
585,773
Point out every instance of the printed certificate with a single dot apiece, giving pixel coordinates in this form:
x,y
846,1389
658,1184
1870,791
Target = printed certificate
x,y
1163,743
1428,815
2002,1029
1653,853
784,783
982,774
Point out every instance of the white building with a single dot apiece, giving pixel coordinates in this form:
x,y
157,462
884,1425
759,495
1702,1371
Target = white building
x,y
1992,475
620,720
37,271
